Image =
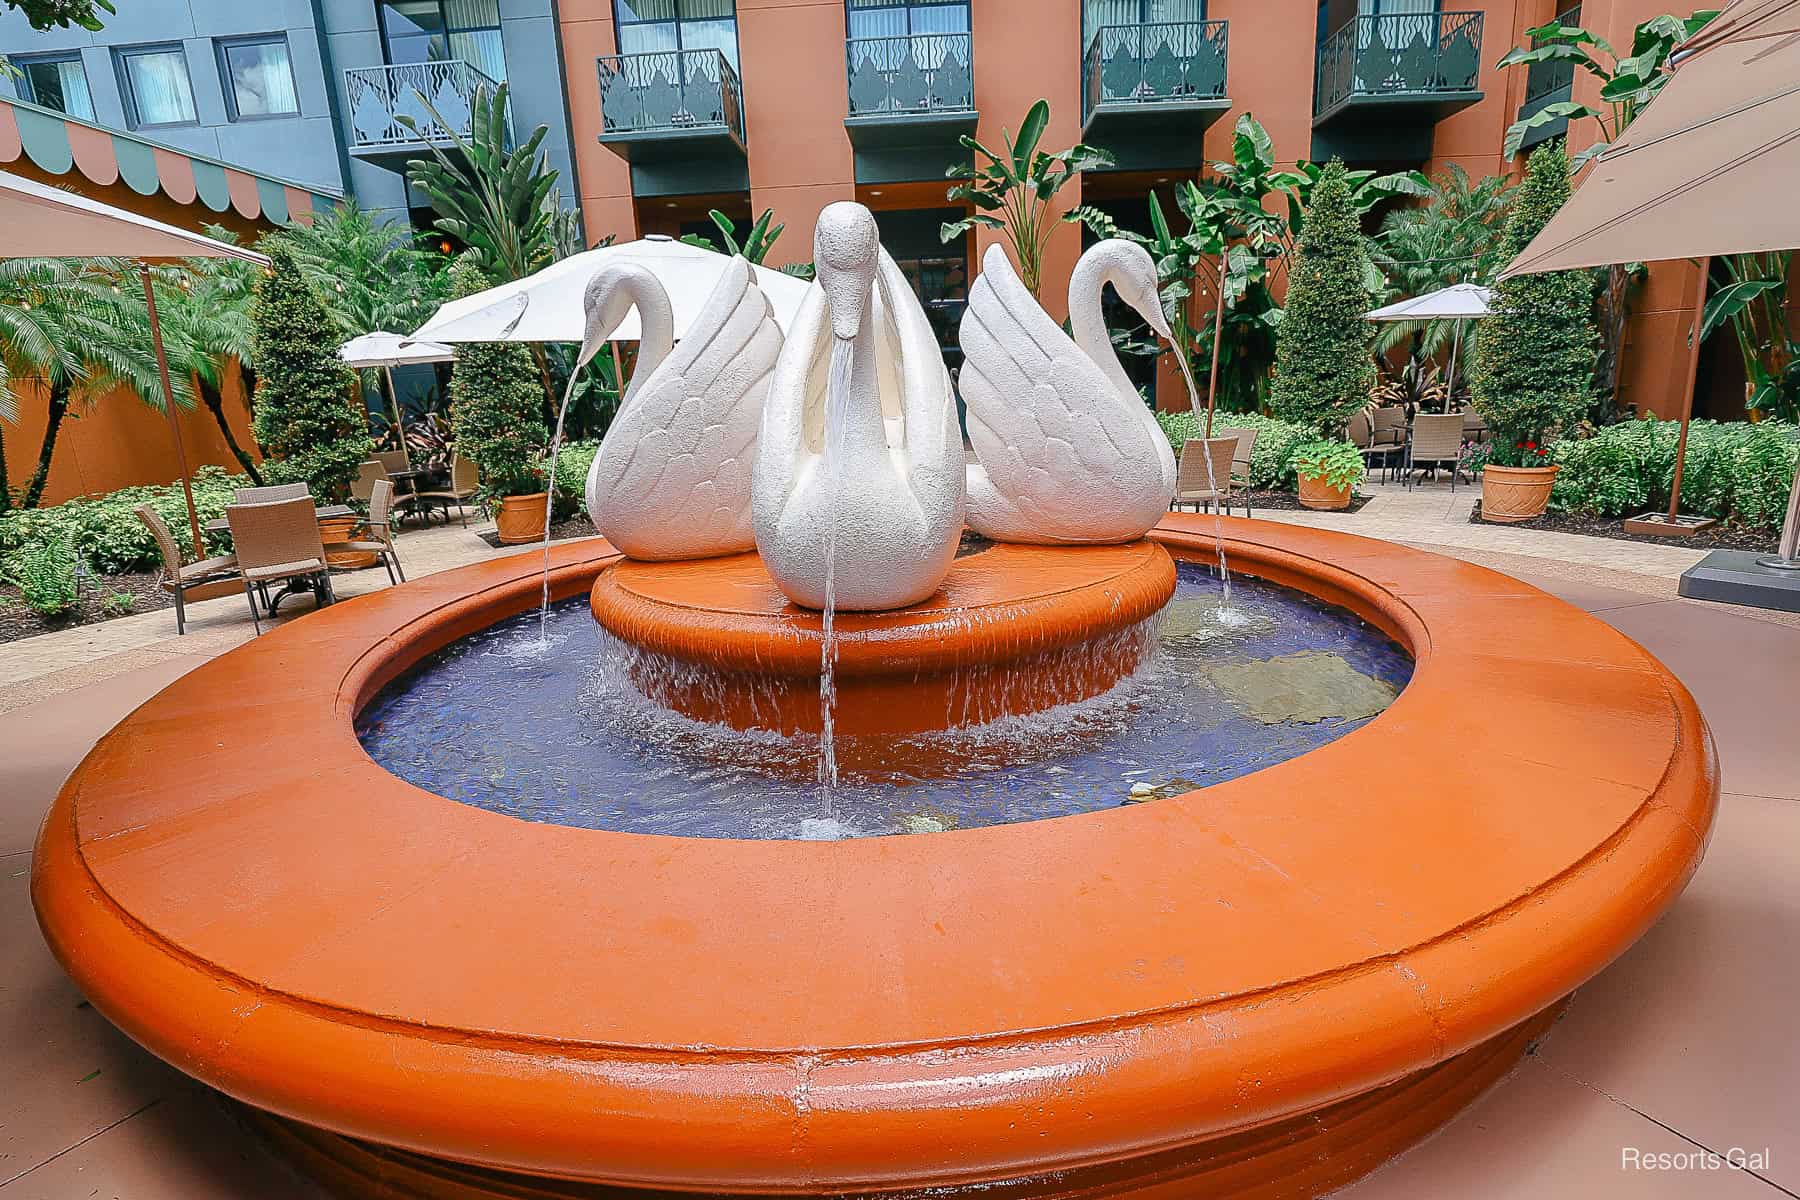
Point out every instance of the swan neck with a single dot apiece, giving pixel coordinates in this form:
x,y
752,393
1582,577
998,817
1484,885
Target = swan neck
x,y
855,424
656,326
1087,319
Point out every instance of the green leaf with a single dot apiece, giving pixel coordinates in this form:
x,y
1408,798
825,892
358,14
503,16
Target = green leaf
x,y
1725,304
1031,131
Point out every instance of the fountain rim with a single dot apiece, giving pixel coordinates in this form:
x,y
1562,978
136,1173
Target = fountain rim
x,y
396,1070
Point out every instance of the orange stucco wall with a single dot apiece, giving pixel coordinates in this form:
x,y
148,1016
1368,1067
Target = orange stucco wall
x,y
606,204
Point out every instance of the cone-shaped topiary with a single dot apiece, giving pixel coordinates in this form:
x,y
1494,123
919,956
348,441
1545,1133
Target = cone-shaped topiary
x,y
1325,351
496,404
309,427
1534,358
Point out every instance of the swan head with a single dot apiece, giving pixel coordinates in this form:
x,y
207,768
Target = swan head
x,y
846,252
1132,272
610,296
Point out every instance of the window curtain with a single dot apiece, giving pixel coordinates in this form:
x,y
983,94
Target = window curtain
x,y
159,87
61,85
261,80
478,43
1397,33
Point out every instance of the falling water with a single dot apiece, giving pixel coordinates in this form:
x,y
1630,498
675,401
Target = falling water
x,y
1225,609
550,504
837,390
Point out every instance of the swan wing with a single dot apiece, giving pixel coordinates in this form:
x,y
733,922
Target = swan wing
x,y
672,478
1056,441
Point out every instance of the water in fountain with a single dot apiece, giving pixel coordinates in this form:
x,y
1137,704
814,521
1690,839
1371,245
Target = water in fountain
x,y
837,390
1226,613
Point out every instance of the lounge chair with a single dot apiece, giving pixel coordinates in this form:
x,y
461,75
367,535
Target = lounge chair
x,y
180,578
279,543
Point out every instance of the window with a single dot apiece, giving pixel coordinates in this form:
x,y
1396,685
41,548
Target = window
x,y
903,18
56,81
259,79
1097,13
646,26
154,83
417,31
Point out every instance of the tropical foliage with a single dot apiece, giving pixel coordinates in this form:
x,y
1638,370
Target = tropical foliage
x,y
371,275
1534,358
1271,458
1336,464
1738,469
496,414
104,532
208,333
1751,295
1324,364
304,419
1012,191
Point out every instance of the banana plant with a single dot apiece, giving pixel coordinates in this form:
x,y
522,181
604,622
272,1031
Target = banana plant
x,y
1627,83
756,244
1753,302
1012,191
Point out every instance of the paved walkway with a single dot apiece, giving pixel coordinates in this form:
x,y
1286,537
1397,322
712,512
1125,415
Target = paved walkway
x,y
1684,1045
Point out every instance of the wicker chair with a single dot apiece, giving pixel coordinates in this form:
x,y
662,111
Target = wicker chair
x,y
392,460
368,474
1240,464
266,495
465,481
1361,432
380,527
1195,485
1475,427
1436,442
276,543
179,578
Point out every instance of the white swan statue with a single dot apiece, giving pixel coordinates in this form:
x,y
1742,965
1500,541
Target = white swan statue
x,y
1067,451
672,478
869,493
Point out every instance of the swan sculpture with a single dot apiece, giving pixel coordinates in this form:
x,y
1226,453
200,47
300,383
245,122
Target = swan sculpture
x,y
1067,451
672,478
859,469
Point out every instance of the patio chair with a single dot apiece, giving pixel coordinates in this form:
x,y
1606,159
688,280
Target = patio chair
x,y
279,543
266,495
1360,430
391,461
1388,425
380,527
368,474
1195,485
1436,442
465,481
1475,427
1240,463
180,578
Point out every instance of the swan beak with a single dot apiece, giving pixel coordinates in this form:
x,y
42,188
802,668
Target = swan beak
x,y
846,247
846,302
605,307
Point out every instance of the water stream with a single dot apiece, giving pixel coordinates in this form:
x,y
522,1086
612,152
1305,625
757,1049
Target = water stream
x,y
837,389
1187,373
562,413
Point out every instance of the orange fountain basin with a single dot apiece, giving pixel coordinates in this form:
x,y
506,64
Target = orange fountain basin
x,y
1013,630
1262,988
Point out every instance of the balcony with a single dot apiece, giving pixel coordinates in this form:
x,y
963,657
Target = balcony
x,y
677,116
1384,81
1547,83
1149,91
910,99
379,97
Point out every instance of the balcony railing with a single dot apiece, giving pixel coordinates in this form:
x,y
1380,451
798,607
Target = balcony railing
x,y
380,96
1546,83
1398,55
900,76
670,91
1154,63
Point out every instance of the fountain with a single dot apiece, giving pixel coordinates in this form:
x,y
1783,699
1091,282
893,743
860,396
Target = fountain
x,y
1164,906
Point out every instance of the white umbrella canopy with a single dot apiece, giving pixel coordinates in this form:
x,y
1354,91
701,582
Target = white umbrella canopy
x,y
1456,301
546,307
383,349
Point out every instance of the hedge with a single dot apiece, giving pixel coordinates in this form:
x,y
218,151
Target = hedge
x,y
108,535
1271,459
1733,469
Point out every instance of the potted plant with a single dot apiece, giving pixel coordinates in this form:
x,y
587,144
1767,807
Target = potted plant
x,y
1328,472
1534,358
497,420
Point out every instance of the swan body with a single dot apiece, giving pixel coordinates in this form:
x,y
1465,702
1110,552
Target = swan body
x,y
672,478
867,488
1067,452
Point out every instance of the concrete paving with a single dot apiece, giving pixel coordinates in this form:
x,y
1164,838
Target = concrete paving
x,y
1681,1047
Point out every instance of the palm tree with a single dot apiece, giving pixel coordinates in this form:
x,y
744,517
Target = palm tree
x,y
205,310
369,274
75,328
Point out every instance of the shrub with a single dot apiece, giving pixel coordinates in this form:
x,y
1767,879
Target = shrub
x,y
1271,459
571,476
1324,354
496,405
1534,358
105,533
1734,469
304,418
1337,464
44,573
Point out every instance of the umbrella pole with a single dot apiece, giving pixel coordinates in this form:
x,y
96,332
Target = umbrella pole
x,y
399,421
1455,353
1687,395
162,368
1212,378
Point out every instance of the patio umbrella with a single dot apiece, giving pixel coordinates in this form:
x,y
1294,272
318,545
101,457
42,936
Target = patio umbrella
x,y
1458,302
387,351
546,307
1705,170
38,221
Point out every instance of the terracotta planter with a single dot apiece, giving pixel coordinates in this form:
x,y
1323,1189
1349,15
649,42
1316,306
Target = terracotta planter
x,y
522,518
335,531
1316,493
1515,493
